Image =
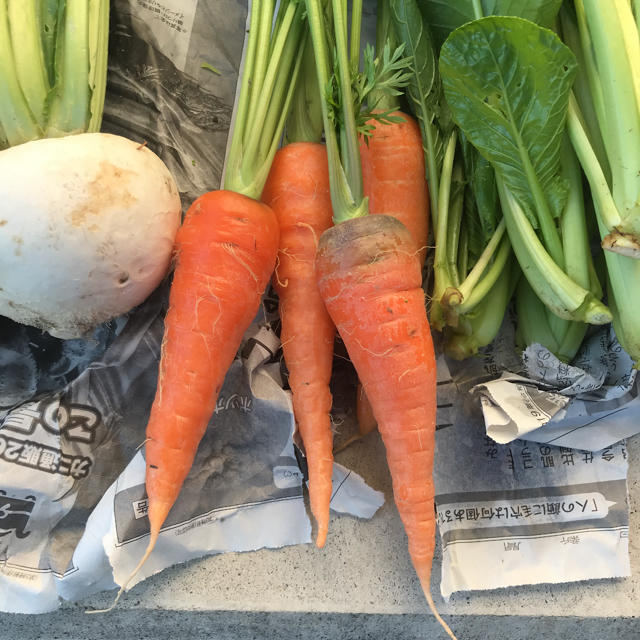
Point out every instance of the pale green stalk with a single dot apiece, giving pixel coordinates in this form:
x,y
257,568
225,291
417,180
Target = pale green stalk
x,y
484,274
70,104
273,64
28,56
266,10
283,48
345,205
98,46
560,293
16,119
616,48
356,28
600,192
349,135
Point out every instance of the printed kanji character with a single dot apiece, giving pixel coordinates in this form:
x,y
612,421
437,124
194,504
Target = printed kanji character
x,y
24,419
608,455
80,468
49,460
30,454
472,513
567,456
140,508
12,450
64,464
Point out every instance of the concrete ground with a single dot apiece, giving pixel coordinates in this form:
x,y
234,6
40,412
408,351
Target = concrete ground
x,y
361,586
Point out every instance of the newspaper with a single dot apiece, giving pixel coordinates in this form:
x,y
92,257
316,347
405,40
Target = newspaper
x,y
73,413
523,512
589,404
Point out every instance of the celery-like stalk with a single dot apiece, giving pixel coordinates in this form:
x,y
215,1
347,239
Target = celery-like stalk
x,y
272,62
29,58
16,119
304,123
611,46
53,65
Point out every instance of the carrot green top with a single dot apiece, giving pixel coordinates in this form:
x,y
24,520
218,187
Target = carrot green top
x,y
345,172
271,63
344,90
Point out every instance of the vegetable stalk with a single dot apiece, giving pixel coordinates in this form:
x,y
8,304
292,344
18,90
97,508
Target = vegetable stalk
x,y
53,65
346,181
272,62
611,53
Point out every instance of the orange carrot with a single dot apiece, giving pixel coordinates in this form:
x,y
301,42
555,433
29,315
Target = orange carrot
x,y
225,254
370,278
226,251
297,189
393,177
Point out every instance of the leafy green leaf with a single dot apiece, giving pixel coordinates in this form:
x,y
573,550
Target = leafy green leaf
x,y
507,82
481,181
443,16
424,88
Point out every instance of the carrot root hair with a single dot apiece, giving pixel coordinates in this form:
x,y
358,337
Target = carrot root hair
x,y
152,543
436,615
425,583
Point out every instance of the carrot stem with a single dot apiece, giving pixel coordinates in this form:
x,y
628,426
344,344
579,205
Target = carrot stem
x,y
356,27
348,131
271,63
345,206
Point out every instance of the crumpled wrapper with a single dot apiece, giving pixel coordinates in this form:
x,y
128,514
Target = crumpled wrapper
x,y
589,404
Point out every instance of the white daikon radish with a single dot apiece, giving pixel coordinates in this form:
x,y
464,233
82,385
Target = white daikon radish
x,y
87,225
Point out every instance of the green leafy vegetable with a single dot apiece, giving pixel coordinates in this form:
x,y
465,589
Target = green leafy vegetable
x,y
472,250
507,82
446,15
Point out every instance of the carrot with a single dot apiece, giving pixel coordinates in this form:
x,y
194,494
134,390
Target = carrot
x,y
297,189
370,278
393,178
225,254
393,175
226,251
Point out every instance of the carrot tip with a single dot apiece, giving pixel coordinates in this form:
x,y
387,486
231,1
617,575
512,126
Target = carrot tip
x,y
152,543
426,588
321,538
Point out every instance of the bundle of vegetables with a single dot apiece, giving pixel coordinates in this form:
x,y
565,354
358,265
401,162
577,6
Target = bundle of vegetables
x,y
492,88
53,68
604,126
